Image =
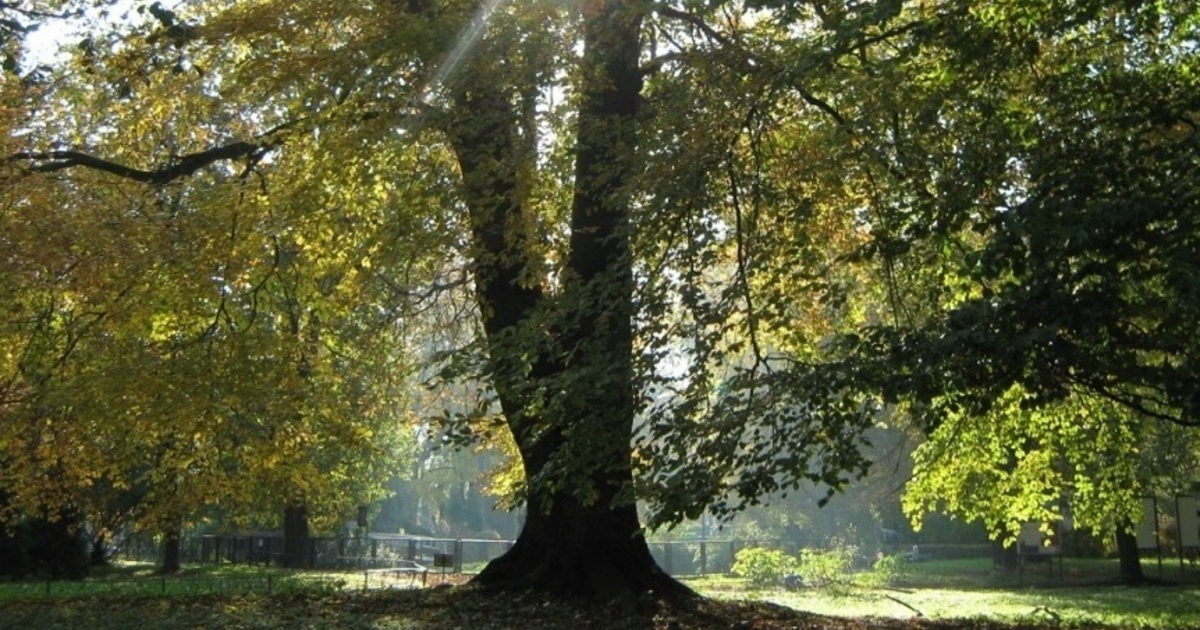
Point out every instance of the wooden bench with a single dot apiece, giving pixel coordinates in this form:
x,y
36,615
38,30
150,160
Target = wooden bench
x,y
402,568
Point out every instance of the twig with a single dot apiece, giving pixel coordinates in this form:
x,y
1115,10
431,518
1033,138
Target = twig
x,y
898,601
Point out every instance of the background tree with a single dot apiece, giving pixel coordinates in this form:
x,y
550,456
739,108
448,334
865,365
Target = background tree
x,y
1033,211
191,343
1086,459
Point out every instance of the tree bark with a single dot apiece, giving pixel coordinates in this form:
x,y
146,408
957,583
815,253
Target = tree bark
x,y
172,552
1130,571
562,366
296,541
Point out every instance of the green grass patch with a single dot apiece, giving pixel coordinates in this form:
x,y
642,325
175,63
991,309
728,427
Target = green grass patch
x,y
973,589
447,609
133,596
142,580
1150,607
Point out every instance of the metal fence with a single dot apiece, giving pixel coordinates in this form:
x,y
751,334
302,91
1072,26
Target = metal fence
x,y
456,555
379,551
702,557
371,551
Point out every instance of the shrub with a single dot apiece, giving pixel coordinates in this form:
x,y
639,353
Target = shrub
x,y
51,548
890,570
764,567
827,569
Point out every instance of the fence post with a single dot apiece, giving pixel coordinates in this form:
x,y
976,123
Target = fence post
x,y
703,557
458,555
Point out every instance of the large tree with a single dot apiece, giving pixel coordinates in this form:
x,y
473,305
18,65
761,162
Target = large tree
x,y
365,89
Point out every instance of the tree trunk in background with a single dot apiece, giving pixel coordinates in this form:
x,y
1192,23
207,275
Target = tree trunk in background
x,y
98,556
172,552
296,543
1004,557
1130,558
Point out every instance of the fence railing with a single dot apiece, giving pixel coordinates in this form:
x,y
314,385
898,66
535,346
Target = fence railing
x,y
455,555
270,581
372,551
697,557
377,551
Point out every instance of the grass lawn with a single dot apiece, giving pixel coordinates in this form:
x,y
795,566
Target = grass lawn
x,y
1119,606
949,595
971,589
141,579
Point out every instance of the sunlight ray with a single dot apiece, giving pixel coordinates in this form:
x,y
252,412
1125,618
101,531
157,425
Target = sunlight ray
x,y
466,42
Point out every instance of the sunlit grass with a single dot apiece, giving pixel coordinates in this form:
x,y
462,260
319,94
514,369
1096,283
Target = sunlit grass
x,y
971,588
1123,606
951,589
142,579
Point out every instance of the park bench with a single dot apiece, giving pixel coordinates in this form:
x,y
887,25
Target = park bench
x,y
402,568
1034,546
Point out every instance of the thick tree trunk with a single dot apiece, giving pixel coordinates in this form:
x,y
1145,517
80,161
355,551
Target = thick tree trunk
x,y
562,366
1130,558
172,552
296,541
573,549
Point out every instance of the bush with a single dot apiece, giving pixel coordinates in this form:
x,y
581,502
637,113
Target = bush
x,y
764,567
890,570
827,569
51,548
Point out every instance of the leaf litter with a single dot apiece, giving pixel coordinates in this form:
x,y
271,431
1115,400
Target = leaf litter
x,y
449,608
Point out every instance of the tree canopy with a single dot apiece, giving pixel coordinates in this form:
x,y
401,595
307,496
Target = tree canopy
x,y
1051,184
197,346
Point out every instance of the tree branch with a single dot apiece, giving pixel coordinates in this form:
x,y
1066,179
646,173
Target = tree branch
x,y
697,22
753,60
1137,403
182,166
822,105
32,13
